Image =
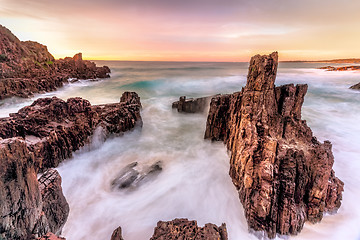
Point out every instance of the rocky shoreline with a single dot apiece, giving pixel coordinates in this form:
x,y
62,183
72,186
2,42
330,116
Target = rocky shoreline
x,y
39,137
27,68
345,68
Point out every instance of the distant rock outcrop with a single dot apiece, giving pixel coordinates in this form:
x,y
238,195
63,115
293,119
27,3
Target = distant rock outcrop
x,y
192,105
344,68
117,235
28,67
185,229
282,172
39,137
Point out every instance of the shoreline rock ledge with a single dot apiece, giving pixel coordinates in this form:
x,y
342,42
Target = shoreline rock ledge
x,y
39,137
282,172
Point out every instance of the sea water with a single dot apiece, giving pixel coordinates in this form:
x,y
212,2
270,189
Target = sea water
x,y
194,182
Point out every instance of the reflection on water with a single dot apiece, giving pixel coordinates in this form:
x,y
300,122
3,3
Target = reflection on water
x,y
194,182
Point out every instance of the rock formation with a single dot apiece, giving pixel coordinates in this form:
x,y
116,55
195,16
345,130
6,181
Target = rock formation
x,y
38,137
282,172
131,176
344,68
28,67
192,105
185,229
53,128
117,235
356,86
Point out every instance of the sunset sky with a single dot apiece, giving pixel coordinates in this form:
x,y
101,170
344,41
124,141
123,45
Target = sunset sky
x,y
192,30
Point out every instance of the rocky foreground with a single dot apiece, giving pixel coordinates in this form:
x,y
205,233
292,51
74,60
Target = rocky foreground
x,y
182,229
282,172
27,68
39,137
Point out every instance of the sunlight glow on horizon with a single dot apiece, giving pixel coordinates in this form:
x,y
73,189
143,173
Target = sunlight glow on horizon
x,y
211,30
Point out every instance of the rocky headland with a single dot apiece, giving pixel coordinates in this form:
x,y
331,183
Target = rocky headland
x,y
37,138
344,68
28,67
282,172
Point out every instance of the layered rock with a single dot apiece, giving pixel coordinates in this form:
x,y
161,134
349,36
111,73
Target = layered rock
x,y
185,229
40,136
28,67
192,105
282,172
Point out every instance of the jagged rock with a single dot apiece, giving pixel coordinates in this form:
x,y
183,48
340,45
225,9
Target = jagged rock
x,y
132,175
50,236
28,67
40,136
116,235
356,86
192,105
185,229
55,206
53,128
283,173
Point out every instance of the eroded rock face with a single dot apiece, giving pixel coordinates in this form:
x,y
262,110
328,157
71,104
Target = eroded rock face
x,y
40,136
28,67
192,105
185,229
283,173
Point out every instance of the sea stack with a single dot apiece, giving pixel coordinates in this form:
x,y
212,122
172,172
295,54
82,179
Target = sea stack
x,y
282,172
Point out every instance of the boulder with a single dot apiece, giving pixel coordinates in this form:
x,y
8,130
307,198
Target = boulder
x,y
133,175
185,229
192,105
282,172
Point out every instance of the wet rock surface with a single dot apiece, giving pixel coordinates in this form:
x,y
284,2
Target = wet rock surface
x,y
39,137
133,175
192,105
356,86
185,229
117,235
282,172
28,67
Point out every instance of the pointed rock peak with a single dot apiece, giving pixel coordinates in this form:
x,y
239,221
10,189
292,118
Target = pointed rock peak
x,y
262,72
77,57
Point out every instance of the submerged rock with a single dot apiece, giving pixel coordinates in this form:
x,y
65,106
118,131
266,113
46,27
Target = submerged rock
x,y
192,105
282,172
185,229
132,175
28,67
38,137
356,86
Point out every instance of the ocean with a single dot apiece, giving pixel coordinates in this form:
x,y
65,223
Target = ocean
x,y
194,182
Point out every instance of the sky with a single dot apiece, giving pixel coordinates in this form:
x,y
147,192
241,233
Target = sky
x,y
188,30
